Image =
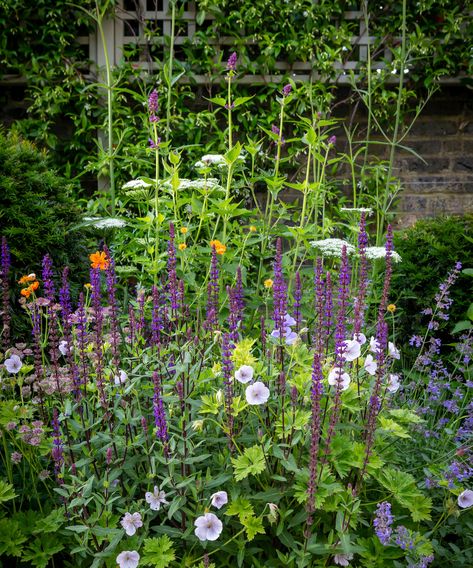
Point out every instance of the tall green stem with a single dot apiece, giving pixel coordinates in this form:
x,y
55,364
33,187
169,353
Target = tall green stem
x,y
170,69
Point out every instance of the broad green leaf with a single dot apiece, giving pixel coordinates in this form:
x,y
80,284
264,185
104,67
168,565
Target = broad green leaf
x,y
239,507
253,526
158,552
250,463
7,491
392,428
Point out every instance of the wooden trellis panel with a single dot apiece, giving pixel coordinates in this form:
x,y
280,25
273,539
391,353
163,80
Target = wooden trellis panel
x,y
133,17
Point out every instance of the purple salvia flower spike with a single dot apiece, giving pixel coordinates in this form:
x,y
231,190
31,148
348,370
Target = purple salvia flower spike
x,y
286,91
227,370
383,521
172,284
112,302
57,449
159,414
5,274
232,61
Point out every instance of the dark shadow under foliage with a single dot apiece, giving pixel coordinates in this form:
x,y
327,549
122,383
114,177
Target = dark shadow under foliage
x,y
429,250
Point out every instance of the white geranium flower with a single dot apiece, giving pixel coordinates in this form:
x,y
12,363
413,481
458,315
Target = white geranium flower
x,y
121,378
352,350
63,347
393,351
155,499
257,393
128,559
338,377
219,499
130,522
370,365
393,384
13,364
244,374
465,499
208,527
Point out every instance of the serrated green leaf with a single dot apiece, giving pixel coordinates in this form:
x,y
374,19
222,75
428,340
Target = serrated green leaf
x,y
253,526
158,552
250,463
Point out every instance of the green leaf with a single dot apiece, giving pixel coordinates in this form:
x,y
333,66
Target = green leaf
x,y
469,312
253,526
232,155
462,326
392,428
7,491
158,552
250,463
240,507
218,101
240,101
11,538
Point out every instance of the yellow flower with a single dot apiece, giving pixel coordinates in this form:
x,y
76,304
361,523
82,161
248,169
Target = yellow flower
x,y
391,308
184,230
99,260
268,283
220,248
87,285
252,229
182,246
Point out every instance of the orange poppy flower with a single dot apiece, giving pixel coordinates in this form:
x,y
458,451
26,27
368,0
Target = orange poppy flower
x,y
34,285
26,292
99,260
25,279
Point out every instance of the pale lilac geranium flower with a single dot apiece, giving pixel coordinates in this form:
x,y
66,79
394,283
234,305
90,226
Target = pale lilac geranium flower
x,y
219,499
208,527
337,376
244,374
257,393
121,378
352,350
343,559
465,499
289,321
155,499
128,559
289,335
130,522
374,345
13,364
393,351
370,365
360,337
63,347
393,384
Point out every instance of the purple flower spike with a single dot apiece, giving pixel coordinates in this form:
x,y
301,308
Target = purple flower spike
x,y
153,104
232,61
57,450
383,522
287,90
172,283
49,289
4,274
332,140
159,414
227,369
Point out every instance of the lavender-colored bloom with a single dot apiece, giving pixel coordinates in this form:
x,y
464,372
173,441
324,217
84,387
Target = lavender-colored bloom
x,y
82,340
128,559
343,559
65,301
130,522
404,538
465,499
16,457
154,145
98,334
153,103
257,393
155,499
239,296
157,325
112,301
48,275
13,364
208,527
219,499
244,374
286,91
279,293
328,305
332,140
4,273
383,522
232,61
213,292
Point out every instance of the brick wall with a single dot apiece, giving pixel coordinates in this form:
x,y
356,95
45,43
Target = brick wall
x,y
441,183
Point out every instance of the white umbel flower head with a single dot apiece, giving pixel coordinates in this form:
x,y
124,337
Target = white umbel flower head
x,y
465,499
130,522
333,247
257,393
155,499
244,374
352,350
370,365
13,364
219,499
338,377
136,184
375,253
128,559
208,527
